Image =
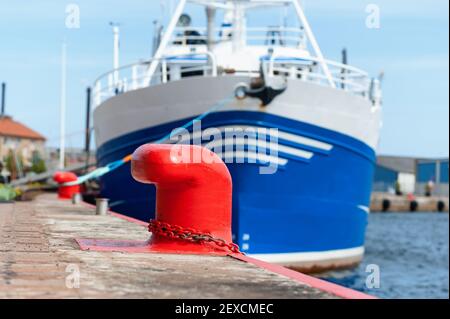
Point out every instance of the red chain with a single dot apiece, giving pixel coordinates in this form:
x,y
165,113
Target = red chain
x,y
189,234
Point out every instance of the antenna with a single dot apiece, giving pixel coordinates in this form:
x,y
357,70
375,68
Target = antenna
x,y
381,76
157,30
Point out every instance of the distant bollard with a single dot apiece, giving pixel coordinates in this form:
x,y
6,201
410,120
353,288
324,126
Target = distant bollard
x,y
101,207
66,191
76,198
413,206
385,205
440,206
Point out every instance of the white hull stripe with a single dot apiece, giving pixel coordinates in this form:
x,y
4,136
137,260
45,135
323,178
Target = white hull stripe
x,y
285,136
262,145
364,208
239,139
232,155
281,135
304,257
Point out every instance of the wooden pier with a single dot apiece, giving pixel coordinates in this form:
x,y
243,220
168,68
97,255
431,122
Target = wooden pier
x,y
40,258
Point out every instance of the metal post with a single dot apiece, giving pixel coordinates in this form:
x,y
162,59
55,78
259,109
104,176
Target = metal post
x,y
344,61
88,120
3,97
76,198
438,177
101,207
164,71
87,142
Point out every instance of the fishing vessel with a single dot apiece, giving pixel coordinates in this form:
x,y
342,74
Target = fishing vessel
x,y
310,213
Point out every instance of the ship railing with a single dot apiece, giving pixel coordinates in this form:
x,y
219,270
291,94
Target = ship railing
x,y
344,76
134,76
172,68
268,36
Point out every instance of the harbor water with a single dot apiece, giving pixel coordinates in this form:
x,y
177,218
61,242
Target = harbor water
x,y
412,253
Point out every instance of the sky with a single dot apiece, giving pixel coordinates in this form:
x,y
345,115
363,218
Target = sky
x,y
410,47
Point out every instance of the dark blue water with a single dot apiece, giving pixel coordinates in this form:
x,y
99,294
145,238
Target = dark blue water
x,y
412,252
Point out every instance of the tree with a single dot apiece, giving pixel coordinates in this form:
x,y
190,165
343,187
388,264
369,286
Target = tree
x,y
39,167
37,163
13,163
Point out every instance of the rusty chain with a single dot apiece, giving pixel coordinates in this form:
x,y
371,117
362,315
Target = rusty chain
x,y
189,234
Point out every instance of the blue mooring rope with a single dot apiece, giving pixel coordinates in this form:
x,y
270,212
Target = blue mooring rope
x,y
98,172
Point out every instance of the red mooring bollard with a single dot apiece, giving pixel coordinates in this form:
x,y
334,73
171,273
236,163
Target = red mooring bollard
x,y
193,202
66,192
193,190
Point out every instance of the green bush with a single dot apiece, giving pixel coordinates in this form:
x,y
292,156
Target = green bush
x,y
39,167
8,193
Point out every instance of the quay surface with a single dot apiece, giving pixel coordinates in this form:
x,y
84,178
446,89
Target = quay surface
x,y
40,258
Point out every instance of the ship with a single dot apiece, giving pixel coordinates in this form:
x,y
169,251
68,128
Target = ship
x,y
308,210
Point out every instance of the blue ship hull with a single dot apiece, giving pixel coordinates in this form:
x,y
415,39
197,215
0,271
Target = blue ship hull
x,y
308,205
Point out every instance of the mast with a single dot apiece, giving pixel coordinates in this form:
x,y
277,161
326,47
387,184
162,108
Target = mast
x,y
312,39
116,47
164,42
62,112
210,15
238,26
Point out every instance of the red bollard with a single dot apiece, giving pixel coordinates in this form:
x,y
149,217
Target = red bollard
x,y
193,191
66,192
193,203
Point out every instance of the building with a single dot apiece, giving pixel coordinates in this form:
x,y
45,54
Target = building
x,y
20,147
411,175
394,173
434,172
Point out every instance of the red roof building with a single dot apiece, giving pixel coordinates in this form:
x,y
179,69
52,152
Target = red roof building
x,y
20,142
11,128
